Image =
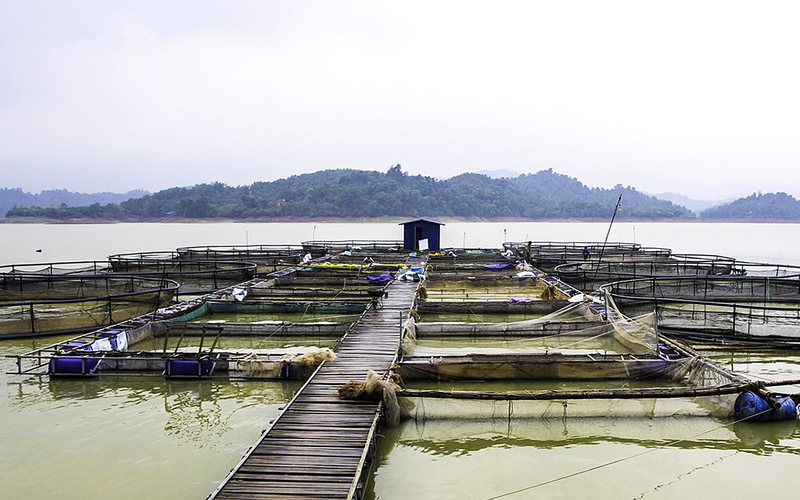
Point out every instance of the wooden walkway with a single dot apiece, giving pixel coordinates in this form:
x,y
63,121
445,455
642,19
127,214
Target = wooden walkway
x,y
320,445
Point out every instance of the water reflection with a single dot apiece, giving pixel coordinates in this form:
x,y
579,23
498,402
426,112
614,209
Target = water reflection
x,y
766,437
481,459
463,437
196,409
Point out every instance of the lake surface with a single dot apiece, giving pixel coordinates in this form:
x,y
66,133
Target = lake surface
x,y
128,437
771,243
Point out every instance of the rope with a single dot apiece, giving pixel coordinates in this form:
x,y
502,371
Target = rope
x,y
619,460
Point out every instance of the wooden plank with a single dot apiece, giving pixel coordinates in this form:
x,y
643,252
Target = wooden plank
x,y
322,451
315,447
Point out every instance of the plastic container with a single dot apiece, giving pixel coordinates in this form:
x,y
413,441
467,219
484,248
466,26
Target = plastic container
x,y
751,407
188,367
72,365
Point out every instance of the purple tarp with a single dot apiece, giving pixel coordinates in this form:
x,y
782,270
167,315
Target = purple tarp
x,y
497,266
380,278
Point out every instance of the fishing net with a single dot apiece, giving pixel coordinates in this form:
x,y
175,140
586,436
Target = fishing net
x,y
32,304
749,306
632,378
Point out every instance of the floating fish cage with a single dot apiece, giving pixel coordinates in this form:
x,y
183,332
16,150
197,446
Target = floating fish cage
x,y
269,258
175,348
588,275
584,359
58,268
632,372
195,276
548,255
322,247
341,271
50,304
742,307
253,307
666,382
465,257
476,289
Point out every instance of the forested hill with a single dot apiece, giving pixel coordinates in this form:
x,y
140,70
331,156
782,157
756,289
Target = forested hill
x,y
770,206
358,193
53,198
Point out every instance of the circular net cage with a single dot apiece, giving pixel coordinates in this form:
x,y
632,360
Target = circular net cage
x,y
194,275
268,258
322,247
58,268
49,304
745,306
547,255
589,274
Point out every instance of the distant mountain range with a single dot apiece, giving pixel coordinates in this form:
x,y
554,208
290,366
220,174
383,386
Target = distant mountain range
x,y
695,206
53,198
757,207
348,194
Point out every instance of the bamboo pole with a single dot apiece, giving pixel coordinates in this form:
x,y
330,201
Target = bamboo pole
x,y
644,393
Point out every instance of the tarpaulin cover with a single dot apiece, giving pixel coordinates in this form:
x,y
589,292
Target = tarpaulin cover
x,y
380,278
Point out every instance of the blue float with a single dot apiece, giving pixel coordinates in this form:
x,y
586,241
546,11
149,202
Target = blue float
x,y
751,407
188,368
72,365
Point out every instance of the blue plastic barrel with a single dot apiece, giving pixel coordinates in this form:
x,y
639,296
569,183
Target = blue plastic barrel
x,y
188,367
752,407
72,365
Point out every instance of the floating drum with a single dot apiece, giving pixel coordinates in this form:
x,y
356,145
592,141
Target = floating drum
x,y
196,368
72,366
752,407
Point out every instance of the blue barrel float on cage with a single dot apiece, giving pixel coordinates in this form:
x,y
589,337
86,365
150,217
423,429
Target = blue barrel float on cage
x,y
188,368
751,407
71,366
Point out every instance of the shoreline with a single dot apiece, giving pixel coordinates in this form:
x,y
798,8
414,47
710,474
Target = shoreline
x,y
367,220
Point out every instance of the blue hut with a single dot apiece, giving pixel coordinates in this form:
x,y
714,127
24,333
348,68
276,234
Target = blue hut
x,y
421,234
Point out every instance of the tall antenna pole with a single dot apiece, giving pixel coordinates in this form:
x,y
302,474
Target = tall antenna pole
x,y
603,248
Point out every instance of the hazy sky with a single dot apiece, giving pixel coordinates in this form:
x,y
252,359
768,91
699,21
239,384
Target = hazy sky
x,y
696,97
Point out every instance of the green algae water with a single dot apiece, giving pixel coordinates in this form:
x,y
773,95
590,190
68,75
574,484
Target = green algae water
x,y
598,458
134,438
126,437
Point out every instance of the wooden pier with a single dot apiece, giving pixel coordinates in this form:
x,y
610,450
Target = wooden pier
x,y
320,445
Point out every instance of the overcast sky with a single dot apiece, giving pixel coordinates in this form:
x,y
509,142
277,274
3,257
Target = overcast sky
x,y
701,98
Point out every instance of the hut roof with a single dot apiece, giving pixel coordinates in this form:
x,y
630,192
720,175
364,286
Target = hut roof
x,y
430,221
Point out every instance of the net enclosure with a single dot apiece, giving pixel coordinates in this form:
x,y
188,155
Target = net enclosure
x,y
48,304
588,275
735,306
585,359
194,276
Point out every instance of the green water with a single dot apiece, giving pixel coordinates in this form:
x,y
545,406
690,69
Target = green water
x,y
450,346
126,437
597,458
286,317
239,343
477,318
